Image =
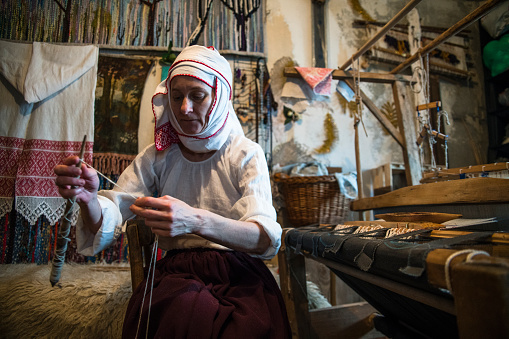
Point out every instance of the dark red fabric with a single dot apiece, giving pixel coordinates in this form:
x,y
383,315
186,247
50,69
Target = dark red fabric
x,y
202,293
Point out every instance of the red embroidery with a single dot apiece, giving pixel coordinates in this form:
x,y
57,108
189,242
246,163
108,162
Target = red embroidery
x,y
29,170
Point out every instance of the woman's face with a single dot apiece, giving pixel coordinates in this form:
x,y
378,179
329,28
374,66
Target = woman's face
x,y
190,101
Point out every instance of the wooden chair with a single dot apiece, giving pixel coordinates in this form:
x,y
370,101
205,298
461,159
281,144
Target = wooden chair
x,y
140,240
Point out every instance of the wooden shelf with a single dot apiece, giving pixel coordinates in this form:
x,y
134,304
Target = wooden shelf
x,y
464,191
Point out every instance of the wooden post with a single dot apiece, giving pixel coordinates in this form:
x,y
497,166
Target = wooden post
x,y
410,151
319,39
135,256
292,275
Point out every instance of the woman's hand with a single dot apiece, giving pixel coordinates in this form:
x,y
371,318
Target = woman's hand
x,y
167,216
81,182
170,217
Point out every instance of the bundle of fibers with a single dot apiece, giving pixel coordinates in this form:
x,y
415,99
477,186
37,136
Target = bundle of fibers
x,y
89,301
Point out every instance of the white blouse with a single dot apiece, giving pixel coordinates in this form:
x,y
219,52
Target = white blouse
x,y
233,183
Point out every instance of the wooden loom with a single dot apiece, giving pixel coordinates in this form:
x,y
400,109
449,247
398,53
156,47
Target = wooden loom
x,y
402,135
450,295
356,320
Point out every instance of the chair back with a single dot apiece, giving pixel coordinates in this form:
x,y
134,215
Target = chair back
x,y
140,240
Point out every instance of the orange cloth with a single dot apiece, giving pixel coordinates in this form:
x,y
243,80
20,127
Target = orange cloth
x,y
319,79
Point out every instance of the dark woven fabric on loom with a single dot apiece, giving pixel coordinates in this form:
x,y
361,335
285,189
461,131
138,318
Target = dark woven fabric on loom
x,y
400,258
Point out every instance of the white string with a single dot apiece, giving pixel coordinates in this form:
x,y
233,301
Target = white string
x,y
417,79
150,278
472,253
153,259
109,180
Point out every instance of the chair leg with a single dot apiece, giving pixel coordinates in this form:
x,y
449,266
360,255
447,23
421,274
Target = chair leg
x,y
135,255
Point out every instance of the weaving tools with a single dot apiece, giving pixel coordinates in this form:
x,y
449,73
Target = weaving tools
x,y
63,232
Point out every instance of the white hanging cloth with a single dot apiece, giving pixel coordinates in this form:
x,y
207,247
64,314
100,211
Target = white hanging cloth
x,y
47,107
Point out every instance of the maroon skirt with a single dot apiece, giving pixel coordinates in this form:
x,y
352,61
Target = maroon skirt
x,y
204,293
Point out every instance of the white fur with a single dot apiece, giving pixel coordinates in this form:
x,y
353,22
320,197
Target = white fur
x,y
88,302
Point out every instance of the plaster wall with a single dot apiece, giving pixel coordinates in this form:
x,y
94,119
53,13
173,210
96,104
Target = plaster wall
x,y
289,36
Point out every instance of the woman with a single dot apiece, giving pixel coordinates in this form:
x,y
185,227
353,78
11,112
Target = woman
x,y
213,212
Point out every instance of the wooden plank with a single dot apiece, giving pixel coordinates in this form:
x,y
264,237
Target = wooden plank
x,y
435,104
468,169
337,74
435,265
422,296
481,297
135,255
393,131
499,238
470,191
408,152
435,67
319,38
403,28
344,321
382,179
479,288
478,13
400,15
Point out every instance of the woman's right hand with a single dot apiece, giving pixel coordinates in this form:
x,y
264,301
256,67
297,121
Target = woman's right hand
x,y
83,183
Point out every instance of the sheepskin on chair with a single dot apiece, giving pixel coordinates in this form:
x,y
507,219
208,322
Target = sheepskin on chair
x,y
89,301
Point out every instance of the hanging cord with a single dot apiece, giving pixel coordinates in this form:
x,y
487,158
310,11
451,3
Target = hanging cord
x,y
358,99
420,118
431,137
447,268
440,114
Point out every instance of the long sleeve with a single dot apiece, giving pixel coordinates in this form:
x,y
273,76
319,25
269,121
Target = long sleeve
x,y
138,179
255,204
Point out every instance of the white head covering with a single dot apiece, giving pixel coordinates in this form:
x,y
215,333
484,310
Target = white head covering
x,y
207,65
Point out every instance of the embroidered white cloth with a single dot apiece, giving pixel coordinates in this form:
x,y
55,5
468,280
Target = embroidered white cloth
x,y
47,107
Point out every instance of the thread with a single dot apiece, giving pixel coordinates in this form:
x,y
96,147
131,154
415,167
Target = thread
x,y
109,180
471,254
150,278
153,259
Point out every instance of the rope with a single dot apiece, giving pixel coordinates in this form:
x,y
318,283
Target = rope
x,y
358,99
471,254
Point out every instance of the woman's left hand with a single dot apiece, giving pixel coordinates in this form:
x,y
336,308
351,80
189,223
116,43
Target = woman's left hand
x,y
167,216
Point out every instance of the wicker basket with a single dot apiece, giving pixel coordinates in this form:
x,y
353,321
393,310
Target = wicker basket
x,y
312,199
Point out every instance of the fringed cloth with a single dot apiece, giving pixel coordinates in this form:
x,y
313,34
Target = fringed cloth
x,y
112,163
203,293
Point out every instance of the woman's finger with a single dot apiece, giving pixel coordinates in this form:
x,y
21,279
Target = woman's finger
x,y
149,213
162,203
